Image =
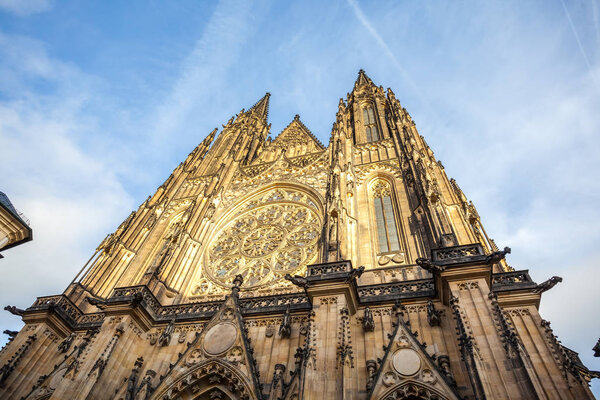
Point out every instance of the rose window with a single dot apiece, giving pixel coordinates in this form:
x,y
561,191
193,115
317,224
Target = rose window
x,y
265,242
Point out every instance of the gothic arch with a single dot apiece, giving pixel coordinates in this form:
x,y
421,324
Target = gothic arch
x,y
392,255
412,390
211,376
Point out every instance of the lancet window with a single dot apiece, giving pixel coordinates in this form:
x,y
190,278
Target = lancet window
x,y
371,129
385,220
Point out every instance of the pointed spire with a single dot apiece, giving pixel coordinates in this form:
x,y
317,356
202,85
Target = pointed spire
x,y
362,79
261,108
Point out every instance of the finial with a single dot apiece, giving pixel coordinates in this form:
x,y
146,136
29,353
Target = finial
x,y
237,282
296,117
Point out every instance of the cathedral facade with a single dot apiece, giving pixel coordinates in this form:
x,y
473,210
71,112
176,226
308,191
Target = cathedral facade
x,y
286,269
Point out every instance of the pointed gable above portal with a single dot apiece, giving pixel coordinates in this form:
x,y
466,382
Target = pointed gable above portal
x,y
407,370
219,359
297,140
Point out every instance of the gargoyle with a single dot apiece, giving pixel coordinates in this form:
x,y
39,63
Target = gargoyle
x,y
497,256
297,280
95,302
11,334
596,349
355,273
428,265
547,285
14,310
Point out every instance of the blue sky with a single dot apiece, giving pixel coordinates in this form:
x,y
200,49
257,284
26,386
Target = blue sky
x,y
99,101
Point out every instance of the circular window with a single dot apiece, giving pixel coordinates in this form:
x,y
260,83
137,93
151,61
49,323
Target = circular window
x,y
271,238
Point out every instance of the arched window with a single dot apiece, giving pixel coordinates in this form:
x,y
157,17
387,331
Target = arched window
x,y
370,125
387,232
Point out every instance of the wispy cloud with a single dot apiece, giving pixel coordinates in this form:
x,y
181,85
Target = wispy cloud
x,y
360,15
66,191
581,49
204,71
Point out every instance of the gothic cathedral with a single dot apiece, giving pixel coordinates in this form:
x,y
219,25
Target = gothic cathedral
x,y
284,269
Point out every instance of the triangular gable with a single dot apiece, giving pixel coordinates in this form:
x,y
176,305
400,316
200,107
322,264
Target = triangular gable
x,y
407,369
297,139
219,357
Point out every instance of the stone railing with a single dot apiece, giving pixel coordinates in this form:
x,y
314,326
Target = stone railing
x,y
458,254
328,268
513,280
141,296
61,305
275,303
396,291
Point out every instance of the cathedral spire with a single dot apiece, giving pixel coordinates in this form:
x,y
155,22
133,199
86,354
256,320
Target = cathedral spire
x,y
261,108
362,80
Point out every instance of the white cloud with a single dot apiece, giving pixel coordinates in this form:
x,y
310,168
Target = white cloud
x,y
25,7
72,197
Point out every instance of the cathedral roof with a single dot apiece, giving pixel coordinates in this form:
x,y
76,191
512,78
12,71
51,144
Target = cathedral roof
x,y
290,131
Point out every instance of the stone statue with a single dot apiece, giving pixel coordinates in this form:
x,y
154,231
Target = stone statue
x,y
65,345
210,210
333,229
547,285
131,391
596,349
429,266
285,329
368,322
444,364
433,315
165,337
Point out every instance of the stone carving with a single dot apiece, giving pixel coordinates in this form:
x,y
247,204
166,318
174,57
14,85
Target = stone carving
x,y
278,376
597,349
406,362
433,315
270,331
14,310
497,256
275,237
355,273
345,354
368,322
468,285
429,266
285,329
14,361
444,364
65,345
297,280
547,285
11,334
219,338
132,388
165,337
371,369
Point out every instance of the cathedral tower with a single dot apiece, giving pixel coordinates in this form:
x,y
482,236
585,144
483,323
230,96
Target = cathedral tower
x,y
284,269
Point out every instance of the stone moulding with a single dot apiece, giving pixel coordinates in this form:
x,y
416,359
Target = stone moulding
x,y
141,296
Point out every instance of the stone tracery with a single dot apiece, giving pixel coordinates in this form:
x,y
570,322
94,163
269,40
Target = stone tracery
x,y
273,235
